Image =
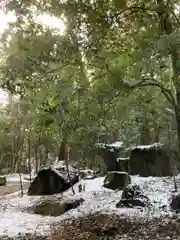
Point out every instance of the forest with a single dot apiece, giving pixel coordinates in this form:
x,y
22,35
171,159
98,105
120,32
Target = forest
x,y
78,73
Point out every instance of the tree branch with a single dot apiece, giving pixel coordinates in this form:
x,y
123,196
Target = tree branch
x,y
167,92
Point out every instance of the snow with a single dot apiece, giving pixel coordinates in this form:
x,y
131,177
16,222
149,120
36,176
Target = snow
x,y
116,144
122,159
15,177
15,216
154,145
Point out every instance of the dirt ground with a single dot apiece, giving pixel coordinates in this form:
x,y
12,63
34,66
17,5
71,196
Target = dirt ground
x,y
12,187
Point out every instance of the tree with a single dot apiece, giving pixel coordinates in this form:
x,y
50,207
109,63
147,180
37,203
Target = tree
x,y
108,50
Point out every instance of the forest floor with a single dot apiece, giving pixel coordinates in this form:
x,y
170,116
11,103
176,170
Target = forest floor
x,y
12,186
97,217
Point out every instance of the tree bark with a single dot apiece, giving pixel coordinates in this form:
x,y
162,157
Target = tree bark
x,y
36,158
62,150
29,154
167,28
145,138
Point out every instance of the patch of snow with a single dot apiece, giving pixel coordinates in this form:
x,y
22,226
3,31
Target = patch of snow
x,y
123,159
15,177
112,146
15,218
119,172
116,144
154,145
170,110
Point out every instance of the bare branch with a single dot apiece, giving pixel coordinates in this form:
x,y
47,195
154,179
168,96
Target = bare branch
x,y
152,82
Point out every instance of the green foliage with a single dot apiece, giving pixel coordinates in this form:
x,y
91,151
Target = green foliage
x,y
108,77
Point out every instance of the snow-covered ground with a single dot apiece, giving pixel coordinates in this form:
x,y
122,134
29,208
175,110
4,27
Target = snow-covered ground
x,y
15,217
16,178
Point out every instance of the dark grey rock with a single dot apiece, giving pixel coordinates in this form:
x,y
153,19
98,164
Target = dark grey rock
x,y
133,196
175,202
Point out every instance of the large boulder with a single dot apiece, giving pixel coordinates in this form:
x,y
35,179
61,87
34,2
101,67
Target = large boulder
x,y
133,196
117,180
3,181
53,179
152,160
109,154
55,207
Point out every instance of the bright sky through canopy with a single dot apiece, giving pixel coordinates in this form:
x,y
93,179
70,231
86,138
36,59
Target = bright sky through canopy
x,y
45,19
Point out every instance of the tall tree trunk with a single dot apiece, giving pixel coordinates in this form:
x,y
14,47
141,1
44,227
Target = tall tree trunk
x,y
156,134
13,163
46,154
36,158
62,149
29,154
63,155
167,28
178,125
145,138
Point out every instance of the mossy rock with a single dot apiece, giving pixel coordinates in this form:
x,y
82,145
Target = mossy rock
x,y
117,180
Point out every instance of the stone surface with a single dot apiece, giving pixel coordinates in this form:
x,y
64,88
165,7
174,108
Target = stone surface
x,y
56,208
117,180
152,160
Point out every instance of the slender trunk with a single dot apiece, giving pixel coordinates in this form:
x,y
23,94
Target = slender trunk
x,y
46,154
167,28
64,156
13,155
36,149
145,133
67,167
178,127
21,184
36,158
62,150
171,158
156,132
29,155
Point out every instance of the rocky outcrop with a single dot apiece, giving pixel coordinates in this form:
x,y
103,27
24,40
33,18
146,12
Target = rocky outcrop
x,y
133,196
